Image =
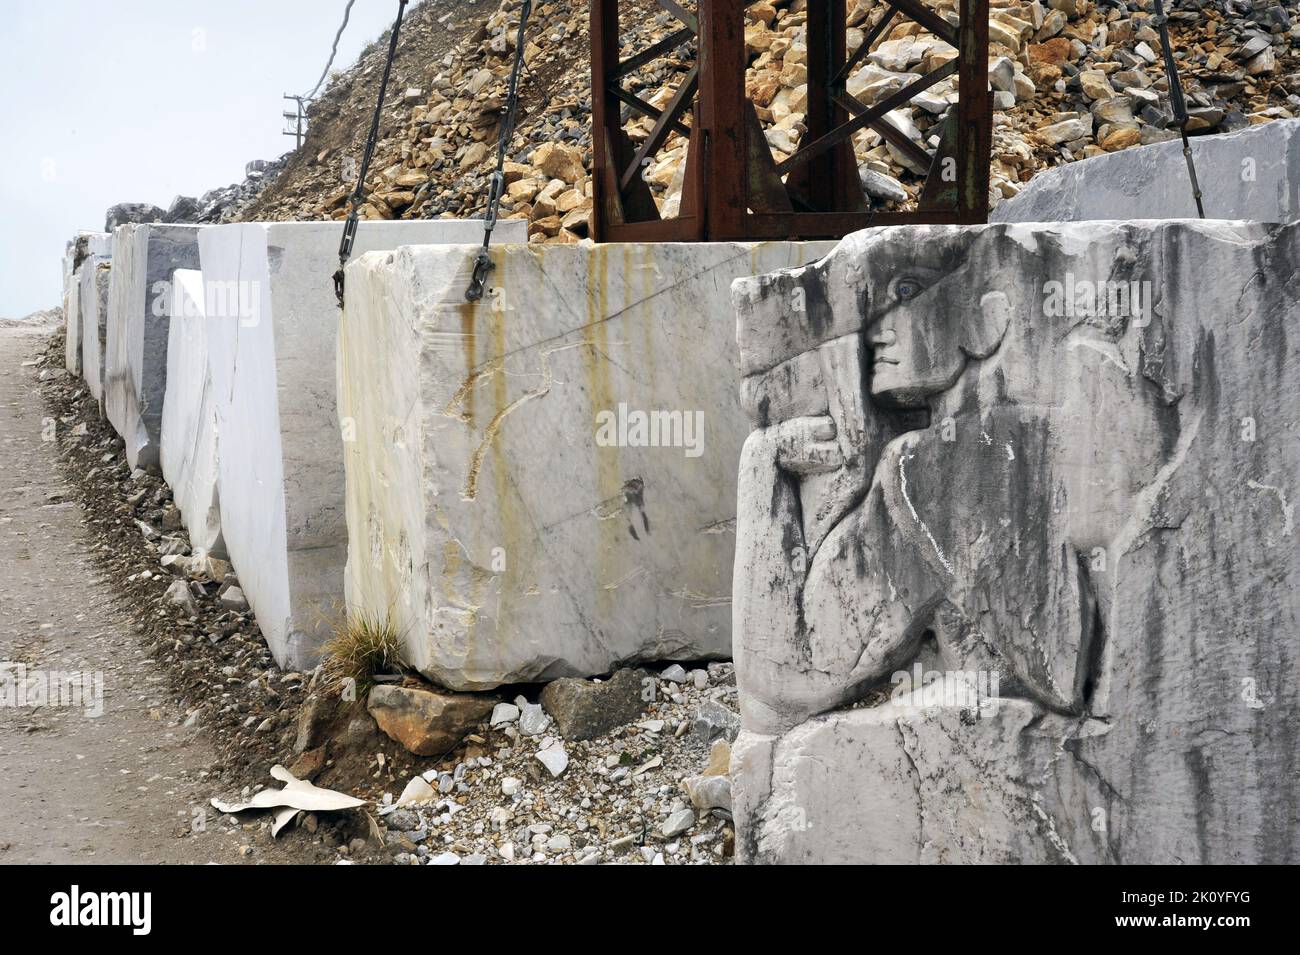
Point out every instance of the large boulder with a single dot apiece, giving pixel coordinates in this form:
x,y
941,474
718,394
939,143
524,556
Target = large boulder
x,y
132,212
543,483
424,722
1016,564
585,709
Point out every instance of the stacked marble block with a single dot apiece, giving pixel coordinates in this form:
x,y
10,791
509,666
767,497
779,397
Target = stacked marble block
x,y
82,305
188,442
1016,548
140,300
92,292
542,483
257,443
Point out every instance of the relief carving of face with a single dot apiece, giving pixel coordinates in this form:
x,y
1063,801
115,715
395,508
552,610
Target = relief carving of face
x,y
923,336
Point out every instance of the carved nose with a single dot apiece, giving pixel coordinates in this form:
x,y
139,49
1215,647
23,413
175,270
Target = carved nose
x,y
883,336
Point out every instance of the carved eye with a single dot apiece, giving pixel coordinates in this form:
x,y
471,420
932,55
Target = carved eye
x,y
907,288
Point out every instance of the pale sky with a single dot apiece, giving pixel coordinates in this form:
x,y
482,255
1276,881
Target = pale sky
x,y
141,101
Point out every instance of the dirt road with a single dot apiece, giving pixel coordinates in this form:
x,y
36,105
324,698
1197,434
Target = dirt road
x,y
120,787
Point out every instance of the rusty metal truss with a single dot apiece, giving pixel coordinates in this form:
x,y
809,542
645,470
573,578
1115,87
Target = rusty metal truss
x,y
734,188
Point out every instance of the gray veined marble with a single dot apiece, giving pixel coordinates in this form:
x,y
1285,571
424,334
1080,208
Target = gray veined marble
x,y
1016,547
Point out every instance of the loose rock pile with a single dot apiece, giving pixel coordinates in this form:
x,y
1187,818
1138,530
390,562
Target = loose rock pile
x,y
1070,78
566,780
224,204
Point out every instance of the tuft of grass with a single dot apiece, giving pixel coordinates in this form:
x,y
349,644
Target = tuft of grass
x,y
363,644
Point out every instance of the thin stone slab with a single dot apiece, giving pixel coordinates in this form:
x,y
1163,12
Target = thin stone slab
x,y
271,326
543,484
1253,174
188,442
139,300
1055,463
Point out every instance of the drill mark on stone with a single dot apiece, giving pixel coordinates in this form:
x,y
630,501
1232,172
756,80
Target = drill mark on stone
x,y
634,502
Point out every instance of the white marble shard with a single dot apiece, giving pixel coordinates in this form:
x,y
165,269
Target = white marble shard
x,y
271,324
543,484
135,361
1016,550
188,441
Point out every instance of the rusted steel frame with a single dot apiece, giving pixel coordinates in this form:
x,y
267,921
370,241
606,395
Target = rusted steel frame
x,y
663,126
681,14
820,182
721,102
650,53
936,24
894,100
641,106
974,113
604,54
886,129
680,229
868,42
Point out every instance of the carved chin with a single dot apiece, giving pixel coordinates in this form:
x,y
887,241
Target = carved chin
x,y
903,388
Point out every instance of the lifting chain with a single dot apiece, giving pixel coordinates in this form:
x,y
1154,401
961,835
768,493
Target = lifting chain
x,y
483,261
354,202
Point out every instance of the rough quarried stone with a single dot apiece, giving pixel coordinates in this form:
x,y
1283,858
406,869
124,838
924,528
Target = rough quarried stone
x,y
585,709
139,300
1250,174
427,723
542,484
1016,562
272,322
132,212
188,442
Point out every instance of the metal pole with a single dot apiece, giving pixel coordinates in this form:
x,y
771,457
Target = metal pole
x,y
1176,100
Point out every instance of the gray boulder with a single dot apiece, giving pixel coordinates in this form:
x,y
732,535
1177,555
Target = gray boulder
x,y
585,709
125,212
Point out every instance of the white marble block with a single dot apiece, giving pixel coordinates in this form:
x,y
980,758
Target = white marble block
x,y
83,252
135,361
271,325
96,277
72,325
543,484
188,442
1253,174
